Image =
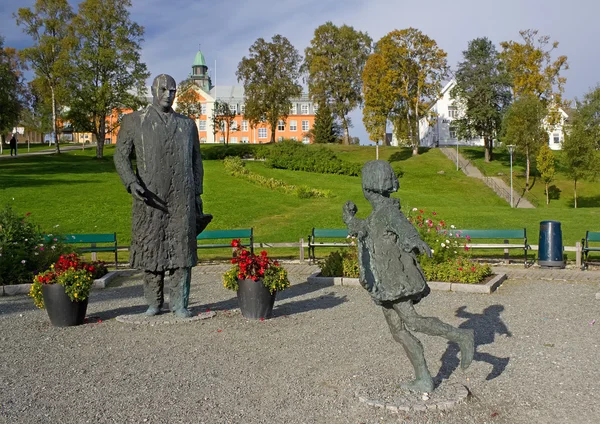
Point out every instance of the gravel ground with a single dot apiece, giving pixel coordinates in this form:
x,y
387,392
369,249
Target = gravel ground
x,y
536,360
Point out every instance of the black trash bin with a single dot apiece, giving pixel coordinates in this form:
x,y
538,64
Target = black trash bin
x,y
550,252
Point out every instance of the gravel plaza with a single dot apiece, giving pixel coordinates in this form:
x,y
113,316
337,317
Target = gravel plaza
x,y
325,349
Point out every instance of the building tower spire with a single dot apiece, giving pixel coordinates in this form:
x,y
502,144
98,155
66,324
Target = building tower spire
x,y
200,72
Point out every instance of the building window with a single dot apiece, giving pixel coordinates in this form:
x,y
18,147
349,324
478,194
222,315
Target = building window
x,y
293,125
306,139
234,126
315,107
452,133
233,139
556,137
202,139
244,139
280,138
203,109
305,126
281,126
304,109
242,108
293,109
294,138
244,125
202,125
262,133
221,139
233,108
452,112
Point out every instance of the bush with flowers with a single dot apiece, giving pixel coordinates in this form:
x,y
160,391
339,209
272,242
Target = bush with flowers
x,y
71,272
24,248
451,259
248,266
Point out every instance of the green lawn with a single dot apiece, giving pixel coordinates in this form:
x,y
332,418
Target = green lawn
x,y
73,192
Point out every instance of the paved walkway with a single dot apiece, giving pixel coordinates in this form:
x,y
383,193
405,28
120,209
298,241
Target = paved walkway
x,y
495,183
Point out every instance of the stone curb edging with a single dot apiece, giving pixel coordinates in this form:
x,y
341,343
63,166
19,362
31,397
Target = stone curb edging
x,y
459,394
162,319
17,289
488,287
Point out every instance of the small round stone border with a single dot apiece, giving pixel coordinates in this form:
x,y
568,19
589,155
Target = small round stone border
x,y
163,319
488,287
445,397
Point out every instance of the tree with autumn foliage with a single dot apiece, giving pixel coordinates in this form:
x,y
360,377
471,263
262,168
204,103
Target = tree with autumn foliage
x,y
334,62
50,56
270,76
545,166
523,126
534,71
108,73
407,68
188,100
482,93
379,98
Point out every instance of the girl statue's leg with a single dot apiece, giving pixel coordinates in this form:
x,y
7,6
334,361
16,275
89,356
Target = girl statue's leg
x,y
414,350
434,327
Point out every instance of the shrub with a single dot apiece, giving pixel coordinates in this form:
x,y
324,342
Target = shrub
x,y
460,270
221,151
340,263
24,250
297,157
236,167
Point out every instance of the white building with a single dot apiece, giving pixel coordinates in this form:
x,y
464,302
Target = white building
x,y
439,131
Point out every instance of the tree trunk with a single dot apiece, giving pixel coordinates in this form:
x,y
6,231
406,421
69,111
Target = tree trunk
x,y
575,193
54,129
376,150
100,139
488,149
273,128
227,135
547,195
346,131
527,172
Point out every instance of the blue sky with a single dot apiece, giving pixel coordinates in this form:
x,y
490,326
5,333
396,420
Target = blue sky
x,y
225,29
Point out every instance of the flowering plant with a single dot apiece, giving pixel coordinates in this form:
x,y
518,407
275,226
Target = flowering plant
x,y
71,272
248,266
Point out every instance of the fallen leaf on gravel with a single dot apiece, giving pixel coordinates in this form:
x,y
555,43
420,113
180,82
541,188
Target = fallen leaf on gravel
x,y
218,331
549,344
592,322
494,414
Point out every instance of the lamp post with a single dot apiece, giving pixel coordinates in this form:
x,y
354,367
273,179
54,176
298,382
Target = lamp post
x,y
511,147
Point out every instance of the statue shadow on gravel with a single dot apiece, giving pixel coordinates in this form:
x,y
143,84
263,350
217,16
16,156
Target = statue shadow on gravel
x,y
486,325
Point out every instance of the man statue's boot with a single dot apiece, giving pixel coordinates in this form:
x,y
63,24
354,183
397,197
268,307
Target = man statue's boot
x,y
179,291
153,291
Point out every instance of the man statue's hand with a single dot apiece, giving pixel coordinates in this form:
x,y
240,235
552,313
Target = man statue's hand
x,y
349,210
138,192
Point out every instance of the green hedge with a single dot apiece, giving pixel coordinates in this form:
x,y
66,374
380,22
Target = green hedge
x,y
295,156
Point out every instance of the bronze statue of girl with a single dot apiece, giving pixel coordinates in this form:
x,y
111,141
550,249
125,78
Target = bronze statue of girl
x,y
388,245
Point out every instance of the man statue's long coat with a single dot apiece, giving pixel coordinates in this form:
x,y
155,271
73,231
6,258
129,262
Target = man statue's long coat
x,y
169,166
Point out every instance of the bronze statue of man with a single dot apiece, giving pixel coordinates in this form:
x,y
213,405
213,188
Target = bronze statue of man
x,y
166,186
388,245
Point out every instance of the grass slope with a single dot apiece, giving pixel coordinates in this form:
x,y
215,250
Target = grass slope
x,y
80,194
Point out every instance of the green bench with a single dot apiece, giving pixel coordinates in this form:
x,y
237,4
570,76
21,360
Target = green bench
x,y
505,235
108,243
590,236
322,237
242,234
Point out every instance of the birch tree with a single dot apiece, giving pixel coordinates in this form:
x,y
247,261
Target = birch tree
x,y
50,55
413,67
334,62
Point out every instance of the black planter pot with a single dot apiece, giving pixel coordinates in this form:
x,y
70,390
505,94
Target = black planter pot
x,y
254,299
62,311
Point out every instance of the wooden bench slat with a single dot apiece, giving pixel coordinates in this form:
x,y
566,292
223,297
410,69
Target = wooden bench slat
x,y
92,239
489,234
336,233
240,233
